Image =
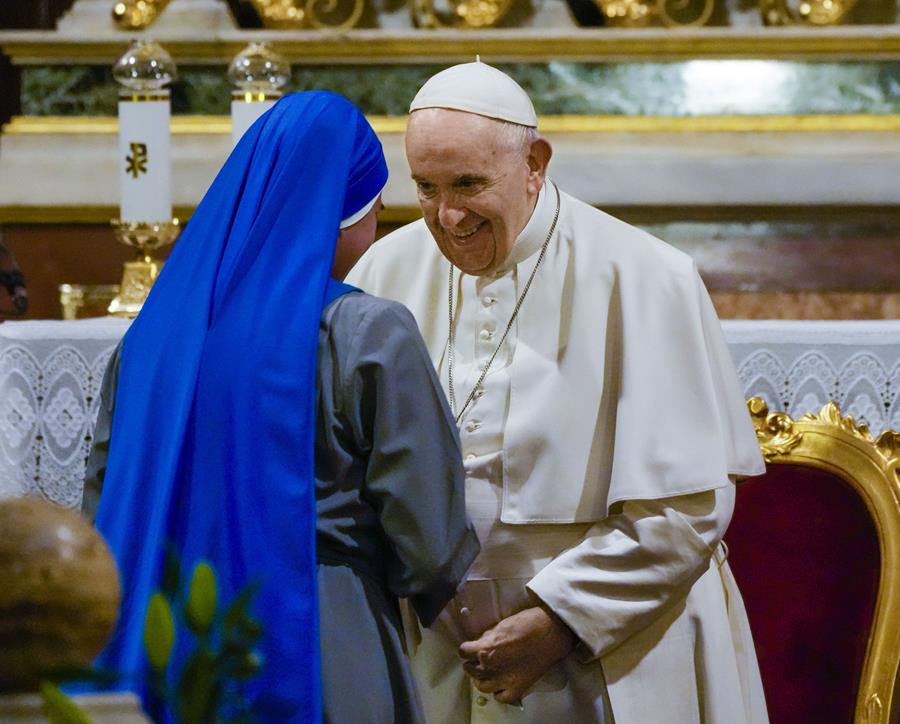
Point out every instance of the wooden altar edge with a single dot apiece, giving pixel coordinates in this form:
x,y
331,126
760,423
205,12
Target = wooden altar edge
x,y
221,125
873,42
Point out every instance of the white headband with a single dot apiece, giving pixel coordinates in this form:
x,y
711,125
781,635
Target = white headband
x,y
353,218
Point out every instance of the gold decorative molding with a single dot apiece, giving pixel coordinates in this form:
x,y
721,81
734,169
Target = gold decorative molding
x,y
838,445
462,13
221,125
774,431
310,47
136,14
287,14
395,215
99,215
874,710
807,12
671,13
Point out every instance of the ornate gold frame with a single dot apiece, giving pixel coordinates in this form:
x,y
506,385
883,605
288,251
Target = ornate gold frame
x,y
838,445
221,125
494,45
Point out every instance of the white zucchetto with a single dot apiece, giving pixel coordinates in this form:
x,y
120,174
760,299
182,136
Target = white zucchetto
x,y
477,88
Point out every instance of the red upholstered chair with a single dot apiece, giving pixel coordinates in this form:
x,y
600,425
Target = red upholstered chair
x,y
815,547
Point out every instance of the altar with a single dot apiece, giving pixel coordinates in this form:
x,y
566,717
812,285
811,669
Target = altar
x,y
51,371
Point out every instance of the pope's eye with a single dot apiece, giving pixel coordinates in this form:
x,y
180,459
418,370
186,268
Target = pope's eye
x,y
426,189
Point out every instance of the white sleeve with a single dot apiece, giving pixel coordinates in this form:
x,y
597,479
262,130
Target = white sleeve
x,y
633,565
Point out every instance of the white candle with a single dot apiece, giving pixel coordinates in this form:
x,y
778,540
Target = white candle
x,y
245,112
145,157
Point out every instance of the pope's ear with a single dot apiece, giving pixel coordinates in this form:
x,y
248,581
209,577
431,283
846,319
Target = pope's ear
x,y
538,157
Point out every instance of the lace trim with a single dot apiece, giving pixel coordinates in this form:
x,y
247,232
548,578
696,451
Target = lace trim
x,y
47,414
863,386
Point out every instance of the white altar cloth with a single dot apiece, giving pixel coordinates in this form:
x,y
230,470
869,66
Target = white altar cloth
x,y
50,374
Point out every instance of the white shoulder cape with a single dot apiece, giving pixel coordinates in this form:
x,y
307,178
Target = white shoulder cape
x,y
622,386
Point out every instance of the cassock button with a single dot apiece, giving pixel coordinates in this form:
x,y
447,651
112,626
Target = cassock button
x,y
481,701
471,456
487,300
486,334
472,426
465,611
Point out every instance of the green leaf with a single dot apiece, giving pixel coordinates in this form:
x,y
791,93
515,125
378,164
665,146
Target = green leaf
x,y
59,708
239,611
76,672
201,605
198,689
159,631
171,573
249,665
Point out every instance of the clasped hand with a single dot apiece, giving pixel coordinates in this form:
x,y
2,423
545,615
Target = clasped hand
x,y
509,658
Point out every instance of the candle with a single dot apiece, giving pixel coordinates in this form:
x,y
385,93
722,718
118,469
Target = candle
x,y
257,74
145,154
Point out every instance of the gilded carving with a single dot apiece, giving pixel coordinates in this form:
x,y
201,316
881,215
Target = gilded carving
x,y
672,13
323,14
808,12
462,13
137,14
837,444
873,710
774,431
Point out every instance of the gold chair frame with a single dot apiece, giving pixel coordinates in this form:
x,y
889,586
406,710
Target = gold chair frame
x,y
840,446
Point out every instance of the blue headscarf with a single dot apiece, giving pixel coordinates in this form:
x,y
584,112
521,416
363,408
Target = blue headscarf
x,y
212,439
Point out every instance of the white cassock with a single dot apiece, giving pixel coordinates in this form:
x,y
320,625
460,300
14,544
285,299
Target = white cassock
x,y
599,453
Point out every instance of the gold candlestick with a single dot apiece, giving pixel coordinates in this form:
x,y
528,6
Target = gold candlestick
x,y
138,275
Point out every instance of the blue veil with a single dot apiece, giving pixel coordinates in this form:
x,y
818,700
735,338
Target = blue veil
x,y
212,439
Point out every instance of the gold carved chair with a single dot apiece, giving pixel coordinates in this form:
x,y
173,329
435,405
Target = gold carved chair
x,y
815,547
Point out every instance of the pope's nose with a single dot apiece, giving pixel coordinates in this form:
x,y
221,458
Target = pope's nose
x,y
450,216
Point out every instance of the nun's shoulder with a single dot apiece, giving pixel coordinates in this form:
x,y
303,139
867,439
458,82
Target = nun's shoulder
x,y
359,314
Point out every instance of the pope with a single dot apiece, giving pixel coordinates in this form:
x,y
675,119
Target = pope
x,y
603,430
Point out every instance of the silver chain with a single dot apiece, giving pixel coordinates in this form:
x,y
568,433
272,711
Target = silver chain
x,y
451,336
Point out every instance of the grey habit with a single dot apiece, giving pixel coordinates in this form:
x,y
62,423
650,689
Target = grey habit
x,y
391,520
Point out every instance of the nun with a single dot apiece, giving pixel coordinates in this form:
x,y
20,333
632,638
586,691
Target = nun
x,y
264,417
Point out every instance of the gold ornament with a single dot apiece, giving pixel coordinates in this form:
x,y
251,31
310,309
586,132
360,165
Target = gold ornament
x,y
137,14
322,14
461,13
138,275
808,12
672,13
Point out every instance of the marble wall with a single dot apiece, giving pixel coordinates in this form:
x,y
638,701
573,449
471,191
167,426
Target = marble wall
x,y
692,88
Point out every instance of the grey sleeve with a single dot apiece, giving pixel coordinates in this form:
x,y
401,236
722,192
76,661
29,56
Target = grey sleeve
x,y
95,469
414,477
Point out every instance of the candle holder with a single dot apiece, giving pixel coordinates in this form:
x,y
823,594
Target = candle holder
x,y
257,74
138,275
145,168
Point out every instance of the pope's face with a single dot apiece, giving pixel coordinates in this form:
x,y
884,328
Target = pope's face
x,y
477,187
